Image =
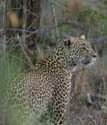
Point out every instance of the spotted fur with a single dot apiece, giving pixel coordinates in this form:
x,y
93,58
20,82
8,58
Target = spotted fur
x,y
49,83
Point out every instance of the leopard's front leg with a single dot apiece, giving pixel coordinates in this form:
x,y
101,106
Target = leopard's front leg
x,y
60,102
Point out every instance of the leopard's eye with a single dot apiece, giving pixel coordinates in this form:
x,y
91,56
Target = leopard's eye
x,y
85,48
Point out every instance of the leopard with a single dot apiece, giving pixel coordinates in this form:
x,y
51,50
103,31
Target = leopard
x,y
48,84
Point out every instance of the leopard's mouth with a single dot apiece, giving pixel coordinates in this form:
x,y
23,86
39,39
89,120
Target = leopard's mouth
x,y
92,62
87,61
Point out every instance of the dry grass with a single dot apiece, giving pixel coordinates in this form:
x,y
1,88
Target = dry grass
x,y
91,82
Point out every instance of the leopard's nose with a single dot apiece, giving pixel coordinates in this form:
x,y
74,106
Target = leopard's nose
x,y
95,55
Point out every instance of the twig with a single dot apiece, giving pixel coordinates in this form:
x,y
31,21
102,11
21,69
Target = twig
x,y
91,117
27,10
4,24
55,19
23,38
74,25
82,121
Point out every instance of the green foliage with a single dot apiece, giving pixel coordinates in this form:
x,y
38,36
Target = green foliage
x,y
11,64
93,19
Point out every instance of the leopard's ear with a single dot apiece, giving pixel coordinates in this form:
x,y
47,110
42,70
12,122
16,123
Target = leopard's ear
x,y
82,37
67,42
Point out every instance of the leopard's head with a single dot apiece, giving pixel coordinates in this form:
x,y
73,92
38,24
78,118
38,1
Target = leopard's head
x,y
79,51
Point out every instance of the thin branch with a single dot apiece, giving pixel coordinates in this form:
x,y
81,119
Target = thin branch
x,y
27,10
59,4
93,119
4,23
25,53
24,22
23,38
55,19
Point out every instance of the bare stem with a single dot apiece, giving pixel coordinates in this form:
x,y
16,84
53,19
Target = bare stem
x,y
55,19
4,23
23,38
